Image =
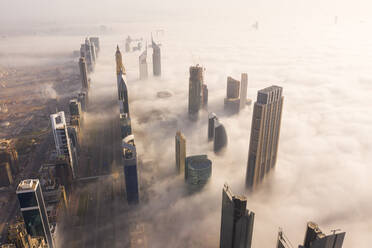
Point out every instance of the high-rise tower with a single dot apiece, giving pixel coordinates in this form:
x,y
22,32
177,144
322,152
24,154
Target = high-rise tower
x,y
220,137
180,152
243,90
130,169
95,41
123,96
236,221
33,210
90,52
314,238
156,59
212,118
263,146
195,90
119,62
121,84
61,137
83,73
143,70
232,100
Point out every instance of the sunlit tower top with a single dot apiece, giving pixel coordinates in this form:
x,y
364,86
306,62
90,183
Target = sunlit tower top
x,y
119,62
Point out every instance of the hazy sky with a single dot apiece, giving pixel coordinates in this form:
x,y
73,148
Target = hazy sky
x,y
323,169
26,12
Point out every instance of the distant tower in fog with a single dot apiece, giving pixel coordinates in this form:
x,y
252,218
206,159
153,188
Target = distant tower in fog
x,y
232,100
83,73
205,97
156,59
243,90
236,221
143,70
180,152
89,55
263,146
95,41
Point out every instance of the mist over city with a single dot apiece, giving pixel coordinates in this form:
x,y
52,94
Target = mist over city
x,y
185,124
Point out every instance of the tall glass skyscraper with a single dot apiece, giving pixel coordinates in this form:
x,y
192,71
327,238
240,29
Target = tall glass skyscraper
x,y
236,221
33,210
263,146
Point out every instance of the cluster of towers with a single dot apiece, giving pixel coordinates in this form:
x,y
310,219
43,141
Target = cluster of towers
x,y
66,139
156,61
197,169
129,152
89,52
237,224
266,120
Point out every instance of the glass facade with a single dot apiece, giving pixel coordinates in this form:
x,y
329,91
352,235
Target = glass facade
x,y
33,223
27,200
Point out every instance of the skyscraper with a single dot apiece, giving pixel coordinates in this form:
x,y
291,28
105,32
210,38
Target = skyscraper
x,y
121,84
63,172
75,107
143,70
93,51
61,137
220,137
33,210
119,62
236,221
125,125
314,238
156,59
83,73
243,90
123,96
90,53
130,169
263,146
95,41
83,99
232,100
180,152
212,118
195,90
205,97
283,241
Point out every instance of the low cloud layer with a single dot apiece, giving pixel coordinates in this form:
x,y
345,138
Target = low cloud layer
x,y
322,172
